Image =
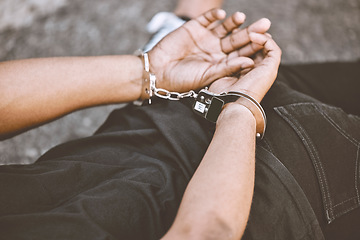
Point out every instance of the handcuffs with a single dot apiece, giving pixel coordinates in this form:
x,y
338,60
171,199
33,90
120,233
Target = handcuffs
x,y
207,104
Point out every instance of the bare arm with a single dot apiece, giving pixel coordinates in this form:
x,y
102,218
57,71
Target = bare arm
x,y
34,91
217,201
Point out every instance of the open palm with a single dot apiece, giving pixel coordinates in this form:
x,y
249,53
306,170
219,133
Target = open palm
x,y
257,80
202,51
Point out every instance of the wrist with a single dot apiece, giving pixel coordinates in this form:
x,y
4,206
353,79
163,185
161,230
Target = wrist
x,y
234,113
127,76
156,66
139,80
152,87
148,77
210,105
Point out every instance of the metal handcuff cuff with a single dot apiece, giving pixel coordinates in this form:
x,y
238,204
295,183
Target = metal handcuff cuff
x,y
207,104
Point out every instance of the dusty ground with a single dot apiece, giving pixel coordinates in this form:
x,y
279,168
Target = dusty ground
x,y
306,30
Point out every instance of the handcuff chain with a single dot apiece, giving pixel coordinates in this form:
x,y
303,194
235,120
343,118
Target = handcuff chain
x,y
174,96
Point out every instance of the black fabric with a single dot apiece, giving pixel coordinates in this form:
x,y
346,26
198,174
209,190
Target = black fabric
x,y
283,214
334,83
126,181
319,143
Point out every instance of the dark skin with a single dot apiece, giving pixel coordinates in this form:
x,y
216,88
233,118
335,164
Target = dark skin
x,y
208,53
217,201
35,91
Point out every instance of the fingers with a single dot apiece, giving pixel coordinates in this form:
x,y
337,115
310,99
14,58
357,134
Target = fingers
x,y
210,16
230,24
228,68
241,38
271,49
261,77
260,26
247,51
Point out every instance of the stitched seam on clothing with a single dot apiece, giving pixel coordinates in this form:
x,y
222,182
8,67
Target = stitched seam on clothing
x,y
346,211
314,155
336,126
353,141
356,173
348,200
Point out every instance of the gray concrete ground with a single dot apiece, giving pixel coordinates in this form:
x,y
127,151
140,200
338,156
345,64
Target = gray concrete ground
x,y
306,30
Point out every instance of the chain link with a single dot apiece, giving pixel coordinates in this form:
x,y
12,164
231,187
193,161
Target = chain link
x,y
165,94
149,85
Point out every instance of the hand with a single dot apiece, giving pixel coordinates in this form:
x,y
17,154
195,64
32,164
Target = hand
x,y
201,51
258,80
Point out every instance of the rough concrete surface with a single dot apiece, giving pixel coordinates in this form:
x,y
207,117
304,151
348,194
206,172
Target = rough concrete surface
x,y
306,30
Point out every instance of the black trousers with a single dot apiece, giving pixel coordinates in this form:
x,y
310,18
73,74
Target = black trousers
x,y
320,103
126,181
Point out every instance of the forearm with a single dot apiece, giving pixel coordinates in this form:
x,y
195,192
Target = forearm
x,y
34,91
217,201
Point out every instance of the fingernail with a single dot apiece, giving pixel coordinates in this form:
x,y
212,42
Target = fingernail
x,y
239,17
266,22
220,13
